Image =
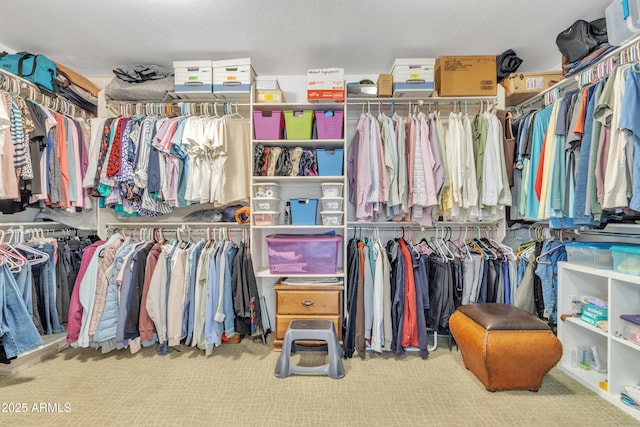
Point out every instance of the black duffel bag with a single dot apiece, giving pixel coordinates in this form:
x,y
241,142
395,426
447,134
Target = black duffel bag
x,y
581,38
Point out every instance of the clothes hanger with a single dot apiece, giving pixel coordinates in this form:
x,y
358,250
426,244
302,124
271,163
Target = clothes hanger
x,y
38,256
12,259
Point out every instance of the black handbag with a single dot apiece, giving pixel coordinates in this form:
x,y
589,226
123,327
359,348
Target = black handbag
x,y
580,39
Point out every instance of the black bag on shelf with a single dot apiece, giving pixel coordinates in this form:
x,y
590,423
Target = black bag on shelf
x,y
581,38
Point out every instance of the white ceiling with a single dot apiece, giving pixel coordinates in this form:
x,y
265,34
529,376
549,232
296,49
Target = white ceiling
x,y
286,37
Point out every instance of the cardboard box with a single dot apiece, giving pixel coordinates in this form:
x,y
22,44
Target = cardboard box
x,y
193,77
521,86
326,84
269,96
233,76
385,85
466,76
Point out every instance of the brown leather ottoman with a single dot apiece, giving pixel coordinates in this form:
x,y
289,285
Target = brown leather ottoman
x,y
504,346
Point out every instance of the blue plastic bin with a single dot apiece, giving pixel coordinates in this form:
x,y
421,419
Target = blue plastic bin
x,y
330,161
303,211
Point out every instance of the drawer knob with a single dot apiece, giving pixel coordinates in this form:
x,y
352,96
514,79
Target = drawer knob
x,y
307,303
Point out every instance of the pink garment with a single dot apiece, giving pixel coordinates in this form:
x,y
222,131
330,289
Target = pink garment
x,y
74,322
162,142
75,163
383,181
410,150
364,211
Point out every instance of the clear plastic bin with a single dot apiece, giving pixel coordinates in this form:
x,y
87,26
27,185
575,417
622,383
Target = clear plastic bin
x,y
266,204
331,204
266,189
332,189
595,254
303,254
266,218
626,259
331,218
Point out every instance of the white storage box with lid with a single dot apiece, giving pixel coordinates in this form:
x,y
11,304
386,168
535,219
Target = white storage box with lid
x,y
332,189
266,204
331,204
233,76
331,218
595,254
413,77
626,259
266,218
193,76
267,83
266,189
623,20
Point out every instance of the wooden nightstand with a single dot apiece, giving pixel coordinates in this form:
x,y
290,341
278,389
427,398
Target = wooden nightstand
x,y
306,302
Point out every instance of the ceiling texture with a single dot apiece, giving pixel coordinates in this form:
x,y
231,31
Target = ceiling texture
x,y
286,37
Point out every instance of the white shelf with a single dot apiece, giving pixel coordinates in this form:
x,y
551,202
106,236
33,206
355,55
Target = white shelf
x,y
295,142
622,357
51,344
291,105
298,228
602,272
298,179
291,187
587,326
628,343
264,272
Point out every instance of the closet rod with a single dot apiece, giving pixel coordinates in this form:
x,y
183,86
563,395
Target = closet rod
x,y
24,82
413,225
179,103
35,224
176,224
423,101
52,102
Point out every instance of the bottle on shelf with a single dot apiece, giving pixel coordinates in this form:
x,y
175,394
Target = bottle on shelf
x,y
287,213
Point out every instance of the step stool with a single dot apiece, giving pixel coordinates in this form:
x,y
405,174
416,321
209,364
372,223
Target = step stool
x,y
311,330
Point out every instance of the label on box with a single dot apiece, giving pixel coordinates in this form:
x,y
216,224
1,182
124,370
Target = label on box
x,y
534,83
336,95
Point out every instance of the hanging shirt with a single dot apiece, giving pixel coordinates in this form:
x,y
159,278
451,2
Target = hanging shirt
x,y
629,121
617,174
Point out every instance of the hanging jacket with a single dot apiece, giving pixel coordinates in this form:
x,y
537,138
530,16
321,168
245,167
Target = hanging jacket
x,y
106,329
75,308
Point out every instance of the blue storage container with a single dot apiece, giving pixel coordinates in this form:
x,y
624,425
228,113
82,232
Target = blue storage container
x,y
330,161
303,211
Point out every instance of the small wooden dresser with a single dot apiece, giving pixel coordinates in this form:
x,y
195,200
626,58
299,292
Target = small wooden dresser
x,y
295,302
